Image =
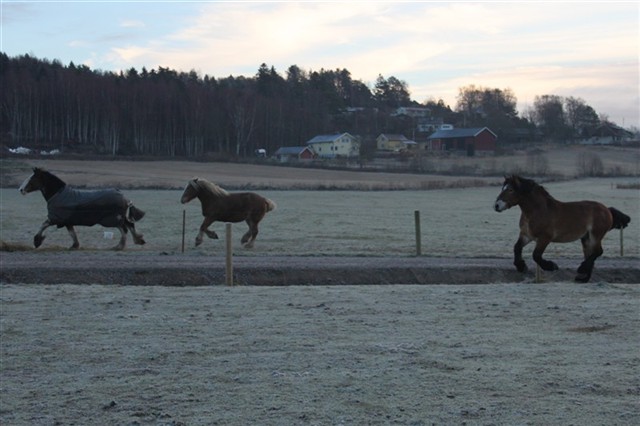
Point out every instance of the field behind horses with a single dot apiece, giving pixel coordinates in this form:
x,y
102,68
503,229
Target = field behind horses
x,y
454,223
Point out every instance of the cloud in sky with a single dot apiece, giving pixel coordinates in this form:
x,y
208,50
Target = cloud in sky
x,y
587,50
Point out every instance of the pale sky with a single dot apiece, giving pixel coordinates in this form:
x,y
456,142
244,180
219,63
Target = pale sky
x,y
588,50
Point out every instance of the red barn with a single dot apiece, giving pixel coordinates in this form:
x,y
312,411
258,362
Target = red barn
x,y
293,153
474,141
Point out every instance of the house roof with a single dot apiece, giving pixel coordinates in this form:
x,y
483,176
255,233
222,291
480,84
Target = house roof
x,y
399,138
394,137
459,133
610,129
326,138
291,150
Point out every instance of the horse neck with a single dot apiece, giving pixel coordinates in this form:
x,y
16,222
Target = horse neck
x,y
208,198
538,199
51,187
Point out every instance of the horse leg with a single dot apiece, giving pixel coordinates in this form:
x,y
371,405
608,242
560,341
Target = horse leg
x,y
211,234
137,238
541,245
203,230
74,237
250,236
518,261
592,250
123,238
39,237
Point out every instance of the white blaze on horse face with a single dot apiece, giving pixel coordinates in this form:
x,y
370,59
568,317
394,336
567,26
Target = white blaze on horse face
x,y
500,205
189,193
23,187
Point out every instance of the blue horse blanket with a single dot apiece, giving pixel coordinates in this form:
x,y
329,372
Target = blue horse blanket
x,y
106,207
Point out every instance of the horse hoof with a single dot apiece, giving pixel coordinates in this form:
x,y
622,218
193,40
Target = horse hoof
x,y
198,242
551,266
522,267
582,278
74,247
37,241
140,241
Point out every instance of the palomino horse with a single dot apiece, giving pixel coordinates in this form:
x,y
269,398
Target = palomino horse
x,y
218,204
69,207
545,220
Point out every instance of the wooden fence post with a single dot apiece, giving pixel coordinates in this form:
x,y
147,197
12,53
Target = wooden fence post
x,y
538,274
184,223
621,243
418,233
229,256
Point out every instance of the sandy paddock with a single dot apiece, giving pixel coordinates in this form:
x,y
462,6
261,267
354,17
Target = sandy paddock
x,y
513,354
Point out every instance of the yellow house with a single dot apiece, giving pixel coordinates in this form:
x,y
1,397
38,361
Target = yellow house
x,y
394,143
333,146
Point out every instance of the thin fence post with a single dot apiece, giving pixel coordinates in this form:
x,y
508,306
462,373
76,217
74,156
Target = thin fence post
x,y
538,274
621,243
184,223
418,233
229,256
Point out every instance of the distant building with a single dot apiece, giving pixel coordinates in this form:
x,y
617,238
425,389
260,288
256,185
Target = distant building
x,y
607,134
334,146
428,127
394,143
414,112
294,153
473,141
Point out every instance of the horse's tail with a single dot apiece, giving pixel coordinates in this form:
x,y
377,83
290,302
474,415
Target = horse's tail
x,y
134,214
620,220
270,204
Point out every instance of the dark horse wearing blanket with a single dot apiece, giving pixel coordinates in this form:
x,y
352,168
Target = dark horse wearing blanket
x,y
545,220
69,207
219,205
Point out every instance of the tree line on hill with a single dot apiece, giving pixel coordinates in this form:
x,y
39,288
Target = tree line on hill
x,y
163,112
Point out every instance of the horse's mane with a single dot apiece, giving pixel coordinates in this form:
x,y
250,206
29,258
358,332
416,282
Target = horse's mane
x,y
210,187
50,176
528,186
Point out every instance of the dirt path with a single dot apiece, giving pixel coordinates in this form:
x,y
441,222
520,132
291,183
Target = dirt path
x,y
129,268
555,353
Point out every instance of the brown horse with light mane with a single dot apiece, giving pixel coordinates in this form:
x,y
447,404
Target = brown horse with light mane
x,y
545,220
220,205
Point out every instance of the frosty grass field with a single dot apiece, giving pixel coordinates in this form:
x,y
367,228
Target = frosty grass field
x,y
454,223
543,354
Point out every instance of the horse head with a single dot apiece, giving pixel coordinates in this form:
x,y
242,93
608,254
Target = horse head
x,y
512,189
42,180
190,191
33,182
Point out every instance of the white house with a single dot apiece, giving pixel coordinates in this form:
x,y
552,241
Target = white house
x,y
333,146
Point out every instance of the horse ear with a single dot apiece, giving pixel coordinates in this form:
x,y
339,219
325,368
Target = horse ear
x,y
515,182
194,183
